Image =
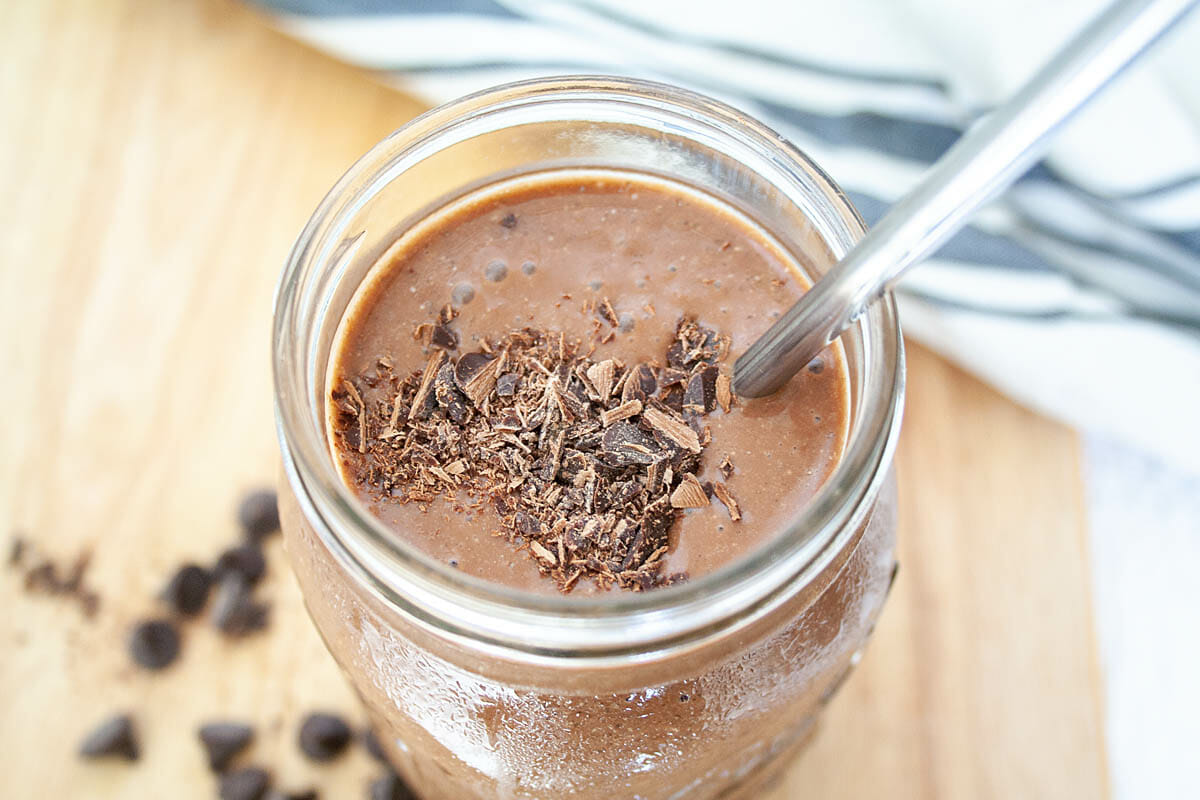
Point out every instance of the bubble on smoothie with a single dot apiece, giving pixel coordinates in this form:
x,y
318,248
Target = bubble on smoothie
x,y
462,294
625,322
528,267
496,271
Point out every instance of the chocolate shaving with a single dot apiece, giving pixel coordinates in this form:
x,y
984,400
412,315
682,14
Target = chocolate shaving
x,y
700,396
673,428
722,493
606,311
623,411
422,399
724,390
689,493
475,374
726,466
586,462
444,337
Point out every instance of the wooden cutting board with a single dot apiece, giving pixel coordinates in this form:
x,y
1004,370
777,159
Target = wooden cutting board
x,y
158,160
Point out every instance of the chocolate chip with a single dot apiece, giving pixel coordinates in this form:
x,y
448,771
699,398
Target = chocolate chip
x,y
248,783
16,551
391,787
374,747
509,221
323,737
816,366
625,322
258,514
462,294
222,741
187,591
529,268
496,271
114,737
235,612
245,560
154,644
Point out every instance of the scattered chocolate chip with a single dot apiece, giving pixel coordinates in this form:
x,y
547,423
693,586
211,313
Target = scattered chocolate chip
x,y
154,644
247,783
509,221
323,737
187,591
684,697
114,737
391,787
223,741
625,322
245,560
462,294
16,551
496,271
374,746
306,794
234,610
258,514
816,366
529,268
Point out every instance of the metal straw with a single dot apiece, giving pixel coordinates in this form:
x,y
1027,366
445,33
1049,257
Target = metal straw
x,y
985,161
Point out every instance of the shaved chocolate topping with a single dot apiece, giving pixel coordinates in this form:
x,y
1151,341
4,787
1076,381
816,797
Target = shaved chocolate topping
x,y
587,462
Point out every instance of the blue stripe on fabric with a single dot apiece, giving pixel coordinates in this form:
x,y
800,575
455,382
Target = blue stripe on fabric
x,y
970,245
763,56
904,138
1185,324
344,8
1188,239
1186,275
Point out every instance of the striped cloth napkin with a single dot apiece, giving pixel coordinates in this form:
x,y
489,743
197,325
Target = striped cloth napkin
x,y
1077,293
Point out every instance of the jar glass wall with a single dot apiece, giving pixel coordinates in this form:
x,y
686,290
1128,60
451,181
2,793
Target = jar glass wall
x,y
481,691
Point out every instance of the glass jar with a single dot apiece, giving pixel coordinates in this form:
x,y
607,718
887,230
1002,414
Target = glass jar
x,y
697,690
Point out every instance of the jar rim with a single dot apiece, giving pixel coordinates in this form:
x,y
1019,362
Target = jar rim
x,y
505,620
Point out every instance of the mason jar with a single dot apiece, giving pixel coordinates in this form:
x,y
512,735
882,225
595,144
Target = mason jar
x,y
702,689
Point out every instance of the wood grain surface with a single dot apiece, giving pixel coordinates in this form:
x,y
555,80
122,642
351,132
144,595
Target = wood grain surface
x,y
158,160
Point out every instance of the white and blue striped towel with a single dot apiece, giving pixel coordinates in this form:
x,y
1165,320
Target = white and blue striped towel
x,y
1077,293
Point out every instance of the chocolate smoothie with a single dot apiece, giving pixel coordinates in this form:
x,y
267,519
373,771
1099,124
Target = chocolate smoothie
x,y
533,386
